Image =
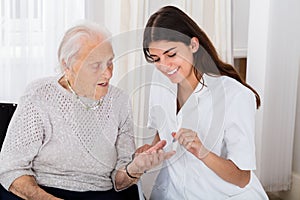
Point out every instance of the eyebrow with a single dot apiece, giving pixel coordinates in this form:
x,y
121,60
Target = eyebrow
x,y
167,51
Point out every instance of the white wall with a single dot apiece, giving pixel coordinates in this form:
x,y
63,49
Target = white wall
x,y
273,65
296,158
240,19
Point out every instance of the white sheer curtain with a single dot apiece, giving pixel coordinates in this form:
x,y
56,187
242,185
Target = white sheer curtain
x,y
29,37
131,72
31,30
125,19
223,29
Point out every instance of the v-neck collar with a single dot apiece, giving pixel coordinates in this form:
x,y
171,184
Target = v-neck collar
x,y
200,88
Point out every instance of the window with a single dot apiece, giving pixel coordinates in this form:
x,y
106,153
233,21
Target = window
x,y
30,33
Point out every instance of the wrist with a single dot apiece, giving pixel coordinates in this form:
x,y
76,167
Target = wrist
x,y
203,153
130,172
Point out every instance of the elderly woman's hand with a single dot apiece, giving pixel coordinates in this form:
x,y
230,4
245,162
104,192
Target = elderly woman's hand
x,y
147,157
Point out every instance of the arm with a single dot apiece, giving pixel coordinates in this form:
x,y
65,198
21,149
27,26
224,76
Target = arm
x,y
144,158
227,170
22,144
27,188
239,139
224,168
142,162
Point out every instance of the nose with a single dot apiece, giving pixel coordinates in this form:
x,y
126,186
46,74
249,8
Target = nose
x,y
164,63
108,72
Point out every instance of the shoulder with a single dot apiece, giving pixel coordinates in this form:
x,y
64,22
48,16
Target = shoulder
x,y
41,83
119,100
117,93
238,94
118,97
233,88
229,89
40,87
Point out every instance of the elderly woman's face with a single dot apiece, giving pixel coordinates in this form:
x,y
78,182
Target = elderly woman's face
x,y
92,70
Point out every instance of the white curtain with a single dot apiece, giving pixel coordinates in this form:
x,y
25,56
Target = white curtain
x,y
31,31
29,37
131,72
223,29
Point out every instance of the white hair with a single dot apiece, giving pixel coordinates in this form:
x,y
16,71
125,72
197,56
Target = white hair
x,y
76,37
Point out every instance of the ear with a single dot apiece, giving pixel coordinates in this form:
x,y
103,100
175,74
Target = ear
x,y
194,44
64,67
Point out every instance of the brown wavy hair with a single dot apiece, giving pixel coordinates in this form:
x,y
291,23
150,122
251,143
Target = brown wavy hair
x,y
172,24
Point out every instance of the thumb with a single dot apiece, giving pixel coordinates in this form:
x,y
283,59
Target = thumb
x,y
157,146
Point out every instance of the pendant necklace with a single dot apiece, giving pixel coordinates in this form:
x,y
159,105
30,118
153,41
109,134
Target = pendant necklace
x,y
87,107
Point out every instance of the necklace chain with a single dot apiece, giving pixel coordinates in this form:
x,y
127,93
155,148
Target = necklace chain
x,y
87,107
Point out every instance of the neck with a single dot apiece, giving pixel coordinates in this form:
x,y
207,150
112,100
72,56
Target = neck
x,y
87,107
185,89
67,84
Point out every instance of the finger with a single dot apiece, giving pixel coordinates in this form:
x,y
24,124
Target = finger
x,y
169,154
157,146
189,145
185,141
180,140
182,132
143,148
161,155
155,159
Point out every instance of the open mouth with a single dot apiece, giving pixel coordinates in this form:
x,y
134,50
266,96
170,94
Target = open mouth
x,y
104,84
173,71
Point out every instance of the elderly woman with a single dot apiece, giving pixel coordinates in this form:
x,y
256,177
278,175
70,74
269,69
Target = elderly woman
x,y
71,136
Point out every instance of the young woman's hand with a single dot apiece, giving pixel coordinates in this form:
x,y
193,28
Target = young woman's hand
x,y
190,140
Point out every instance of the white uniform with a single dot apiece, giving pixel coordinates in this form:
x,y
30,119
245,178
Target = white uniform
x,y
223,114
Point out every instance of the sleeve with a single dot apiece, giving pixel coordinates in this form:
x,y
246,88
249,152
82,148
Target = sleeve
x,y
239,135
22,142
125,144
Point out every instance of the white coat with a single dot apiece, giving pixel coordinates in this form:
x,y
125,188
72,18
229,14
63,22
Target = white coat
x,y
223,114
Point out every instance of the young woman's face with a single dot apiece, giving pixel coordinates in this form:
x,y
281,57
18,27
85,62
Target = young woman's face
x,y
173,59
92,70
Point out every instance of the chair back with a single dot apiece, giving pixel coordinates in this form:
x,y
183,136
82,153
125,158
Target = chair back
x,y
6,112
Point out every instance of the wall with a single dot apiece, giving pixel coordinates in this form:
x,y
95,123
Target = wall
x,y
296,158
240,18
294,193
273,67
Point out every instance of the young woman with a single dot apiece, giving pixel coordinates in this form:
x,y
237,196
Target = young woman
x,y
204,110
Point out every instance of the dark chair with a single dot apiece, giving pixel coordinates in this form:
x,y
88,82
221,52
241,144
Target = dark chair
x,y
6,112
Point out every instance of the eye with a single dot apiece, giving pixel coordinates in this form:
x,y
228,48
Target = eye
x,y
96,65
109,63
172,55
154,59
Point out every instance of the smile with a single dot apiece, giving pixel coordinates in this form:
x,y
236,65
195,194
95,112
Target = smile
x,y
173,71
